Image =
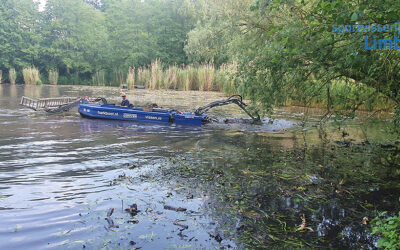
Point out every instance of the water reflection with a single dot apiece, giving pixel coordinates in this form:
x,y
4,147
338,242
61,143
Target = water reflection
x,y
89,126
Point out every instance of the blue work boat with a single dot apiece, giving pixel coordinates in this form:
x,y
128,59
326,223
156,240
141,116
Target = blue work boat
x,y
155,115
91,108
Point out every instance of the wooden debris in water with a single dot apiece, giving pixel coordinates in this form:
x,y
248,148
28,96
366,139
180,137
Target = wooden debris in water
x,y
133,209
133,221
181,225
109,220
176,209
217,237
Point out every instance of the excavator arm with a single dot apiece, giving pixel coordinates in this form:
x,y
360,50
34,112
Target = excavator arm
x,y
235,99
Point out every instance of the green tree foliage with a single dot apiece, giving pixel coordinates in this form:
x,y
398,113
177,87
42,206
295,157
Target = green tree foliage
x,y
130,42
218,31
286,48
83,37
19,40
98,4
143,30
75,37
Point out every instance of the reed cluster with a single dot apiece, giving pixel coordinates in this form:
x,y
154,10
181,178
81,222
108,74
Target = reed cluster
x,y
157,75
53,76
205,77
31,75
12,75
130,78
206,74
171,77
143,76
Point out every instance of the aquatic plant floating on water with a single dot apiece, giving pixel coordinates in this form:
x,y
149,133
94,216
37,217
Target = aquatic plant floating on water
x,y
303,225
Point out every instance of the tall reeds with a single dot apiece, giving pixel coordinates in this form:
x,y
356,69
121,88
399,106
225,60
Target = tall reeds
x,y
31,75
53,76
185,77
130,78
192,82
156,78
12,75
171,77
98,78
206,73
182,78
143,76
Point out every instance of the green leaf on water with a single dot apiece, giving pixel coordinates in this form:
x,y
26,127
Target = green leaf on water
x,y
182,246
285,176
120,221
79,242
354,17
63,242
273,237
18,227
149,237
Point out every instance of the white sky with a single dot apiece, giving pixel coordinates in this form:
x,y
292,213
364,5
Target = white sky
x,y
42,4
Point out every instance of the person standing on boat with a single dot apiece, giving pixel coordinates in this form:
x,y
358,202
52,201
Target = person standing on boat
x,y
125,102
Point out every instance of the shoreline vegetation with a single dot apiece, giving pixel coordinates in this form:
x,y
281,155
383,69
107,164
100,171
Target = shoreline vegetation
x,y
259,49
344,95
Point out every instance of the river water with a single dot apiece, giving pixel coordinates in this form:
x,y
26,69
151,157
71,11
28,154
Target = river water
x,y
60,174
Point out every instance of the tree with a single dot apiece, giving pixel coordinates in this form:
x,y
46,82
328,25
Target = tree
x,y
75,37
217,32
141,31
19,40
287,48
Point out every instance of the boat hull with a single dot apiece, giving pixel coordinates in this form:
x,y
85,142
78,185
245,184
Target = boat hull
x,y
188,118
112,112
